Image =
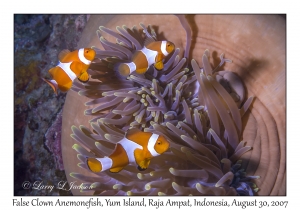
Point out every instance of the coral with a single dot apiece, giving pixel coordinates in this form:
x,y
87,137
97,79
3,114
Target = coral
x,y
53,141
80,22
189,106
36,107
26,77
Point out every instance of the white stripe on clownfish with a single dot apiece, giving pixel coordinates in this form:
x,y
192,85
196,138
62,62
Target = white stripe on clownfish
x,y
150,55
163,48
67,69
131,66
82,58
53,82
151,144
129,146
106,162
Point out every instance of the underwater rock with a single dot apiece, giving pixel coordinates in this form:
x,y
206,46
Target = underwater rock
x,y
53,141
36,107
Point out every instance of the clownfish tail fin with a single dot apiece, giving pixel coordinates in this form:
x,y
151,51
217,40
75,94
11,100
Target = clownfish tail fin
x,y
53,84
124,69
94,165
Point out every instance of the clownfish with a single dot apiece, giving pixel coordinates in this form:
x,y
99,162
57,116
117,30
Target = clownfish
x,y
152,53
136,147
71,65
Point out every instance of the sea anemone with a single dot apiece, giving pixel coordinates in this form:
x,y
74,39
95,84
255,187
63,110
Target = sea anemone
x,y
198,110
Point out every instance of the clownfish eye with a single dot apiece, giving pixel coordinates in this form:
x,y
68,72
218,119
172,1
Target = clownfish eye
x,y
159,143
86,51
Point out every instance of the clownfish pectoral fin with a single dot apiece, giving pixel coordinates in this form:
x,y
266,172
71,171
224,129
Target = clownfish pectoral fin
x,y
141,169
53,84
159,65
63,54
77,67
124,69
159,57
94,165
144,164
84,77
140,159
116,169
158,61
141,71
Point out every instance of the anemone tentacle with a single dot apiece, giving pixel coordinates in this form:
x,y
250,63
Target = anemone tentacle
x,y
203,125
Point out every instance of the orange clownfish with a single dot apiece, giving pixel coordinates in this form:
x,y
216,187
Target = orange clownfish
x,y
136,147
71,65
152,53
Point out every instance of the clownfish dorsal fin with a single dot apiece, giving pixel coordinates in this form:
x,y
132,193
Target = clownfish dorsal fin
x,y
63,54
148,40
132,131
